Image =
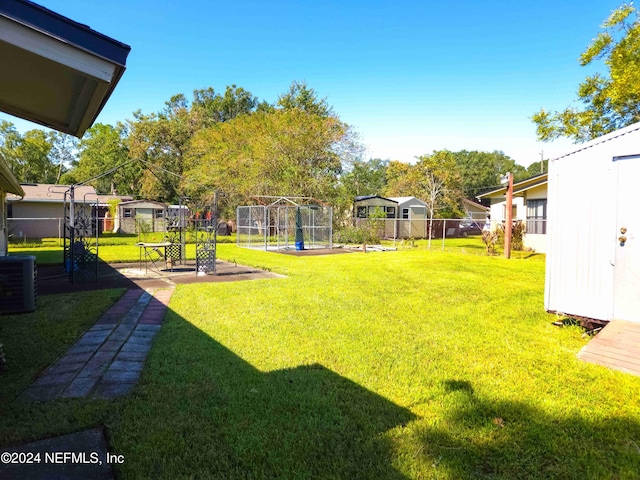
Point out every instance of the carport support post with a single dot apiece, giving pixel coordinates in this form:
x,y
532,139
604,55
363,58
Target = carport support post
x,y
509,217
72,216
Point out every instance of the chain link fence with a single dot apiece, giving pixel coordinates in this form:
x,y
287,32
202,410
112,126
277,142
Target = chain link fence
x,y
400,229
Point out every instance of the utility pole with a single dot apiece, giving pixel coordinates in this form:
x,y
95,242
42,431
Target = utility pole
x,y
509,216
542,161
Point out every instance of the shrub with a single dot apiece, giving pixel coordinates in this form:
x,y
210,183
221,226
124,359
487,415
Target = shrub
x,y
357,234
490,238
517,235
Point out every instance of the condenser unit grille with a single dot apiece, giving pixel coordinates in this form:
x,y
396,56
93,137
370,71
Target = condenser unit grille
x,y
18,290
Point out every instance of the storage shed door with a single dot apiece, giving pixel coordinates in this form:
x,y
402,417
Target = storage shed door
x,y
627,238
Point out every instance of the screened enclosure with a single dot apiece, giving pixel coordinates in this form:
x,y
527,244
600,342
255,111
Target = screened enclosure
x,y
285,223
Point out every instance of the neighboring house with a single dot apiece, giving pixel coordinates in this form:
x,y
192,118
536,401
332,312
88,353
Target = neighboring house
x,y
146,214
106,221
593,254
529,205
8,185
476,212
40,212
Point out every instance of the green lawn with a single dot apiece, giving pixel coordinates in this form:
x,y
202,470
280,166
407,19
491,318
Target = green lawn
x,y
407,364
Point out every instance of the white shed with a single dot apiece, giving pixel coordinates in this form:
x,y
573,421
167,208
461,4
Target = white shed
x,y
593,240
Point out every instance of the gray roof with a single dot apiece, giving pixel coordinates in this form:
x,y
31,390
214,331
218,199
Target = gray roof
x,y
402,200
50,193
360,198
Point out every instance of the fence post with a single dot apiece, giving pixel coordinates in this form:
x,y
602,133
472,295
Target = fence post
x,y
444,232
265,227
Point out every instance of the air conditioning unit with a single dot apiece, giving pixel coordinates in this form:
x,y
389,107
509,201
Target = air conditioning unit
x,y
17,284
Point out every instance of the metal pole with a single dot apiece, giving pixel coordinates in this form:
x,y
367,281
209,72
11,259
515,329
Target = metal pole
x,y
215,230
444,232
330,227
509,217
72,260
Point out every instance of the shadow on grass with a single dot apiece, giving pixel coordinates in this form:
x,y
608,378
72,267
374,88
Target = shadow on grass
x,y
507,439
206,412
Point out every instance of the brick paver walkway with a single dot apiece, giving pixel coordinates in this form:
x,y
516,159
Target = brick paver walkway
x,y
107,360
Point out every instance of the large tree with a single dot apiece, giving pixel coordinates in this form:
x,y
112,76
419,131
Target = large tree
x,y
434,179
211,107
161,140
63,152
283,152
28,155
365,177
481,171
102,149
305,98
10,140
609,101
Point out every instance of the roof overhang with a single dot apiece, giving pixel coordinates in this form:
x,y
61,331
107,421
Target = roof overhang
x,y
519,187
55,72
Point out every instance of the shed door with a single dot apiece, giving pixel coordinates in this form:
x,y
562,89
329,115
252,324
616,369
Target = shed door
x,y
626,286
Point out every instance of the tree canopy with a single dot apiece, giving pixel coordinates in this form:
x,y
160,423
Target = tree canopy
x,y
434,179
481,171
283,152
232,142
36,156
102,148
609,101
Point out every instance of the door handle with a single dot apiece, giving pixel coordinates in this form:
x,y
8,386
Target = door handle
x,y
622,239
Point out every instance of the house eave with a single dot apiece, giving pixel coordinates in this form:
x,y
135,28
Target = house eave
x,y
56,72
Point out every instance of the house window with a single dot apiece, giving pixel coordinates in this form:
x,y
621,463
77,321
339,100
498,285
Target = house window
x,y
361,212
514,212
537,216
159,213
391,212
405,214
128,212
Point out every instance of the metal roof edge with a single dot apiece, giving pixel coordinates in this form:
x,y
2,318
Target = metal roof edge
x,y
602,139
66,30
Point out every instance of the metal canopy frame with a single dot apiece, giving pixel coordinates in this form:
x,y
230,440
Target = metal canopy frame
x,y
285,222
81,237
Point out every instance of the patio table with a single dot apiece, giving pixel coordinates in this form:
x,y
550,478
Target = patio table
x,y
154,252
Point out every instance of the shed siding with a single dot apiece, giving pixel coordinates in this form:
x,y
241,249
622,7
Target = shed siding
x,y
581,241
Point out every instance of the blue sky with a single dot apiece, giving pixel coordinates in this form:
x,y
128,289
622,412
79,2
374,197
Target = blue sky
x,y
409,76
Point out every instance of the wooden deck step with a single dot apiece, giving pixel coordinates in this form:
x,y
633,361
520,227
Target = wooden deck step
x,y
617,346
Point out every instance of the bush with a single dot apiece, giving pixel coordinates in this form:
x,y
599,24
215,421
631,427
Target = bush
x,y
490,238
517,235
359,234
